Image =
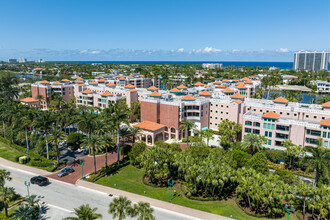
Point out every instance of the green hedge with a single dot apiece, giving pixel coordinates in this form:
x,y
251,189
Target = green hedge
x,y
106,171
187,194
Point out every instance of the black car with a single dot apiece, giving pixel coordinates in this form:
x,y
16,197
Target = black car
x,y
39,180
65,171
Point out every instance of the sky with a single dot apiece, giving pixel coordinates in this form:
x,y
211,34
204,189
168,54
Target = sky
x,y
163,30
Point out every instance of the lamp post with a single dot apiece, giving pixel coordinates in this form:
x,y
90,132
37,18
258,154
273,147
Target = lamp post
x,y
27,184
288,209
27,153
82,163
170,183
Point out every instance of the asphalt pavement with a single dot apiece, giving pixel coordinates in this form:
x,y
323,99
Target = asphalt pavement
x,y
61,198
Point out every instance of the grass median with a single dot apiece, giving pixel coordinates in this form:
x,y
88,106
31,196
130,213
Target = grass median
x,y
129,179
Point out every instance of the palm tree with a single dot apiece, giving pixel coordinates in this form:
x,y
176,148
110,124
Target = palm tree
x,y
124,133
93,143
39,98
23,212
6,195
253,141
208,134
106,142
86,122
143,210
120,207
119,116
32,201
134,132
85,212
187,126
4,175
56,135
320,161
304,191
26,122
43,121
292,150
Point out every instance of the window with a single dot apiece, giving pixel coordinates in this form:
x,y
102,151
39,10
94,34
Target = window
x,y
273,127
324,134
295,114
265,125
248,130
260,110
257,124
269,142
325,144
266,133
281,113
248,123
287,113
315,117
323,118
307,116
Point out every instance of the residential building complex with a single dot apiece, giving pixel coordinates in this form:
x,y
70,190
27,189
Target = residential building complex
x,y
212,65
322,86
311,61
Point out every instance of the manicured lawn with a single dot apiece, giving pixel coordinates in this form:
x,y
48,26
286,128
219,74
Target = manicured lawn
x,y
129,179
9,153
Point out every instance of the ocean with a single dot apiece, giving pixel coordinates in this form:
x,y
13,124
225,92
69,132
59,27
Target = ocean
x,y
281,65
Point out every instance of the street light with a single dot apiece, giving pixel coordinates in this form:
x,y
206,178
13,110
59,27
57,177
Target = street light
x,y
170,183
288,209
27,152
82,163
27,184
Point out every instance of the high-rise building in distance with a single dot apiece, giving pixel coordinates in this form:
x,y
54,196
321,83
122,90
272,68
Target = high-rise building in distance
x,y
22,60
12,60
311,60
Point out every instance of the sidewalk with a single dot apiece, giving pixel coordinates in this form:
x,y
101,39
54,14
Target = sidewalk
x,y
153,202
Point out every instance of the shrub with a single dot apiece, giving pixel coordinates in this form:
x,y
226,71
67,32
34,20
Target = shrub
x,y
241,157
287,176
276,156
259,163
137,149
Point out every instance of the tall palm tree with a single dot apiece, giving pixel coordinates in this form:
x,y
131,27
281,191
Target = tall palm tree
x,y
44,121
4,175
119,116
143,210
26,122
187,125
6,196
93,142
32,201
106,142
39,98
320,161
120,207
56,135
124,133
85,212
86,122
23,212
253,141
304,191
134,132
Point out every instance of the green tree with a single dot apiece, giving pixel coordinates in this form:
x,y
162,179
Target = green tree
x,y
134,132
6,196
56,135
92,142
293,151
137,149
85,212
4,175
320,162
303,192
187,126
120,208
23,212
43,122
259,163
143,210
253,142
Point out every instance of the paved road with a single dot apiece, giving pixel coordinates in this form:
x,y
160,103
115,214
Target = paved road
x,y
61,198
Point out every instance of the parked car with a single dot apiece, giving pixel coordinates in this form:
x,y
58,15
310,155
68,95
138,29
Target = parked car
x,y
79,150
65,171
39,180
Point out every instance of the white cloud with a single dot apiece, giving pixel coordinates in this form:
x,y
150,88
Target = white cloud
x,y
95,52
84,51
235,50
210,50
283,50
180,50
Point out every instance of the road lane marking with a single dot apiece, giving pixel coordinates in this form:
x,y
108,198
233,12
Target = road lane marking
x,y
17,180
57,207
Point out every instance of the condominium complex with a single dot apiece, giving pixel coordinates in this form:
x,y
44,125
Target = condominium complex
x,y
311,61
212,65
323,87
207,105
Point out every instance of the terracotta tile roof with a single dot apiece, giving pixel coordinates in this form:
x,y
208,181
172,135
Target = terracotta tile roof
x,y
58,83
97,77
79,81
151,74
130,77
205,93
102,80
241,86
235,80
121,78
271,115
221,86
65,80
326,105
149,125
182,87
248,81
188,98
141,76
174,90
44,82
245,78
118,76
199,84
29,99
101,77
132,90
110,84
81,84
227,90
239,83
225,80
238,101
206,86
152,88
87,91
237,96
107,94
93,83
325,122
217,83
211,77
155,94
129,86
281,100
79,78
